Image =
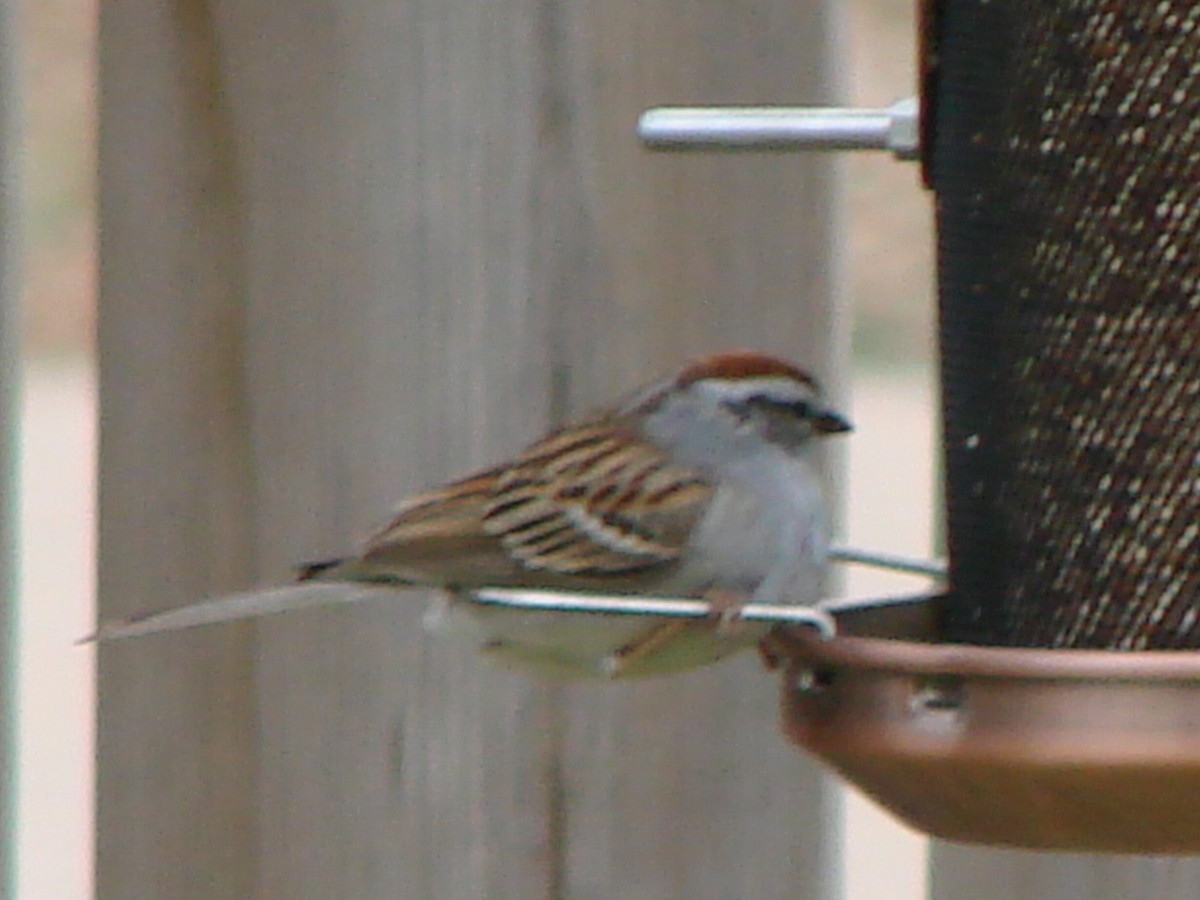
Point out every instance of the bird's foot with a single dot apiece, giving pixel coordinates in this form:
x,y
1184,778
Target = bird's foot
x,y
771,651
725,609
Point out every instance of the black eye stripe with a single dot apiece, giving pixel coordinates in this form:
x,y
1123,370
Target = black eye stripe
x,y
801,409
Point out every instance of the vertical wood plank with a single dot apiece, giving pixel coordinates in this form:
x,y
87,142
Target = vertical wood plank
x,y
698,252
177,731
9,297
390,242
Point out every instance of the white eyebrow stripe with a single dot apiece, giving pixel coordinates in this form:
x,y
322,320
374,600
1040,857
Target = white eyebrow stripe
x,y
786,390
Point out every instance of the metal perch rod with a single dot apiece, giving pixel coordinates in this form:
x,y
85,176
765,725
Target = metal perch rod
x,y
820,617
670,607
931,568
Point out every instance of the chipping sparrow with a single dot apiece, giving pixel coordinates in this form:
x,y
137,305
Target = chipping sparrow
x,y
702,485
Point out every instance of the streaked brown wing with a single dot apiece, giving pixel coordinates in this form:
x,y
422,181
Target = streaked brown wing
x,y
438,538
585,503
595,501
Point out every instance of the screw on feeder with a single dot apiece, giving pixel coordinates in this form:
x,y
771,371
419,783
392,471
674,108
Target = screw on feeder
x,y
942,692
811,681
895,128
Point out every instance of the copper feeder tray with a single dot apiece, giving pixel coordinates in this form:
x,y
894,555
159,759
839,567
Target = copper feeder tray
x,y
1085,750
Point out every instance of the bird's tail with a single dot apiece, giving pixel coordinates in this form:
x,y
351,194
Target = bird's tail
x,y
323,570
326,583
311,591
352,569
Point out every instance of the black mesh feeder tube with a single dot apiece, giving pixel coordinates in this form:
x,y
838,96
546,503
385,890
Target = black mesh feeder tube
x,y
1051,699
1066,165
1062,141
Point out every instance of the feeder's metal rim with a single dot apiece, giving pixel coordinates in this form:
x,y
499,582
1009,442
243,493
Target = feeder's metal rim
x,y
914,657
955,740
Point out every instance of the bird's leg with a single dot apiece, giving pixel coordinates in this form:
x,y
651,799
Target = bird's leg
x,y
725,608
620,659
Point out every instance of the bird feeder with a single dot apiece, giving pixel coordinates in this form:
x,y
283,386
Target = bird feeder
x,y
1049,749
1051,698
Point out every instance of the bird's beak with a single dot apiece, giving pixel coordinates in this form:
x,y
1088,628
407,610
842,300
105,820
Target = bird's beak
x,y
826,421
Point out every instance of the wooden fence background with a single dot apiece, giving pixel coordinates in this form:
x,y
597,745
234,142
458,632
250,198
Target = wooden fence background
x,y
350,249
963,873
10,198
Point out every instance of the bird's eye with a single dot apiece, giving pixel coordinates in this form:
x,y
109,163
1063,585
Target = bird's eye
x,y
741,409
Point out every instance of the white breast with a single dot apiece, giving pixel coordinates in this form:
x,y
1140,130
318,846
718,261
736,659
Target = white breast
x,y
764,533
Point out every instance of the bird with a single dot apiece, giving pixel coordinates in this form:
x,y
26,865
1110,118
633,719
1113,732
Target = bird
x,y
703,484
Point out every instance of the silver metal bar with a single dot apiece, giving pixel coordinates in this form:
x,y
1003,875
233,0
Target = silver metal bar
x,y
854,604
894,562
894,128
552,601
